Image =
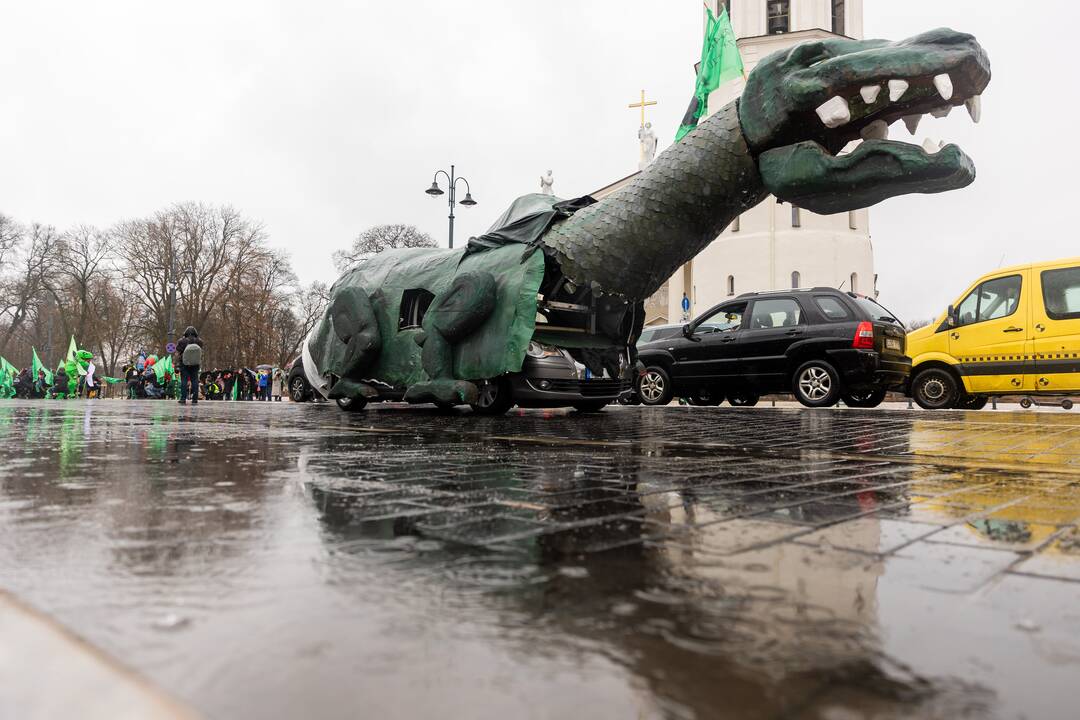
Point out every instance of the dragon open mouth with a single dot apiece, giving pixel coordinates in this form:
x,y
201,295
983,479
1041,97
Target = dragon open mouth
x,y
835,92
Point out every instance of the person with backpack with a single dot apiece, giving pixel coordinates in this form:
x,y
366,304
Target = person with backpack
x,y
190,350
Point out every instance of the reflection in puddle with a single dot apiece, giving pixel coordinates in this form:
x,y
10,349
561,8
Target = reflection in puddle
x,y
285,561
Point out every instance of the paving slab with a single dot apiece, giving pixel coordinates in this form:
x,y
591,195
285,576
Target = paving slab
x,y
261,560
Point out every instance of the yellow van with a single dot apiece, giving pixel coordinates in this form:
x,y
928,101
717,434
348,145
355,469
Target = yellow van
x,y
1014,331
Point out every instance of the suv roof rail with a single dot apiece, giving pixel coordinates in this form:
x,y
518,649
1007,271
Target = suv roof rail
x,y
790,290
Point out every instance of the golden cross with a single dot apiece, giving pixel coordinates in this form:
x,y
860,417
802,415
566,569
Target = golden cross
x,y
642,105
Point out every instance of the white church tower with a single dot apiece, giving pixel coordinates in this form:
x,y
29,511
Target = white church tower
x,y
776,245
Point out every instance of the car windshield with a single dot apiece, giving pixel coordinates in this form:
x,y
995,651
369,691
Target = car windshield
x,y
874,309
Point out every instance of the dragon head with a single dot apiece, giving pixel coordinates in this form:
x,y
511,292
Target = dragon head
x,y
802,106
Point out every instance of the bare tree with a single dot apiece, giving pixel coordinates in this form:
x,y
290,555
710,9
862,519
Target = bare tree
x,y
36,263
378,238
11,234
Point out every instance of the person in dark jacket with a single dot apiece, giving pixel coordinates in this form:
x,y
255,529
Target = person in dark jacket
x,y
190,350
60,384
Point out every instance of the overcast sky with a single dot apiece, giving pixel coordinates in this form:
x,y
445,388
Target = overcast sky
x,y
323,118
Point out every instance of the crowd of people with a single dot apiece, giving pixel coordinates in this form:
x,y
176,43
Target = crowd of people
x,y
151,377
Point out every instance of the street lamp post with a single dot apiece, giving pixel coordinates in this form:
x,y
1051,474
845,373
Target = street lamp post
x,y
435,191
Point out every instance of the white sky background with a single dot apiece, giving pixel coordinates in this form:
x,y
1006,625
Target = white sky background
x,y
323,118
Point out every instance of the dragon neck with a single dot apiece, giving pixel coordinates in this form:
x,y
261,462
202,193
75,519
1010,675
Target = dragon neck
x,y
632,241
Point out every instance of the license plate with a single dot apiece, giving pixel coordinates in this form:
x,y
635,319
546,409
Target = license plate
x,y
892,344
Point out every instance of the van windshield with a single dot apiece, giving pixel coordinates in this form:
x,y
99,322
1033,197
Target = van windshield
x,y
873,308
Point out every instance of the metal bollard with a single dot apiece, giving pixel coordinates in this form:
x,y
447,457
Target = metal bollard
x,y
993,402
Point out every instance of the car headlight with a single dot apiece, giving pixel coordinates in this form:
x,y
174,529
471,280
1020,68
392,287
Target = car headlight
x,y
537,350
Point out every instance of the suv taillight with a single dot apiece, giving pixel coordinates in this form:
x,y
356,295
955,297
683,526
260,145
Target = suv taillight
x,y
864,336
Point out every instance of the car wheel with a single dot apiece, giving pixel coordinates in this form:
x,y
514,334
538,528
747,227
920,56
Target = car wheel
x,y
864,399
494,397
351,404
935,389
298,389
816,384
654,387
629,398
593,406
706,396
973,402
1026,403
743,399
1066,404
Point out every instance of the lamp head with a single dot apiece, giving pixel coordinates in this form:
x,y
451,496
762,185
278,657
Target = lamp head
x,y
468,201
434,190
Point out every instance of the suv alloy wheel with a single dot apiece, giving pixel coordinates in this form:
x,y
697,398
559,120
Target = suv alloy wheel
x,y
654,387
816,384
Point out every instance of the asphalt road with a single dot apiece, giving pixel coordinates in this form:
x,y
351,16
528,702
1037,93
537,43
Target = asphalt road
x,y
263,560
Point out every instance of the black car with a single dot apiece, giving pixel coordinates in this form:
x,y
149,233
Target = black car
x,y
821,345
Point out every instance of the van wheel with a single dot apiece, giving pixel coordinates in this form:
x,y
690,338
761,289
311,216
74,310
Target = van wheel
x,y
494,397
816,384
973,402
654,387
706,396
351,404
864,399
1026,403
1066,404
935,389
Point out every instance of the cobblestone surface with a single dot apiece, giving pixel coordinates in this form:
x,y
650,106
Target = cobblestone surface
x,y
264,560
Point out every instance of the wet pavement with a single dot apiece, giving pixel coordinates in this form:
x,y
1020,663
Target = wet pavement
x,y
277,560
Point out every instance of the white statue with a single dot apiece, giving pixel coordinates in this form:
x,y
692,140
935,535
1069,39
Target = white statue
x,y
647,138
546,181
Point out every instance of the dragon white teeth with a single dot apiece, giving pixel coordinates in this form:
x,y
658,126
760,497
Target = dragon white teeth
x,y
897,88
943,83
974,107
912,122
877,130
931,147
834,112
870,93
942,112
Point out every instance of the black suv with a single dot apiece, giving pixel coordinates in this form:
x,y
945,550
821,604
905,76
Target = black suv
x,y
821,345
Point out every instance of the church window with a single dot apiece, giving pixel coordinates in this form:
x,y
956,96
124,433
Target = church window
x,y
838,17
779,16
796,217
730,284
796,279
854,282
852,220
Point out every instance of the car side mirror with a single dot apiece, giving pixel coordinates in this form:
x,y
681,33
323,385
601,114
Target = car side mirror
x,y
950,317
688,333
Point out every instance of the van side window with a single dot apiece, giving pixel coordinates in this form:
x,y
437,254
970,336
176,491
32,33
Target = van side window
x,y
775,313
414,304
831,308
1061,293
991,300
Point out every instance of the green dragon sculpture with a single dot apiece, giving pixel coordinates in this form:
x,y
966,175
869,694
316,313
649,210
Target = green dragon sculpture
x,y
443,325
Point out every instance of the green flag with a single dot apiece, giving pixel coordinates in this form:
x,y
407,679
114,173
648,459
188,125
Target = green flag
x,y
37,365
720,61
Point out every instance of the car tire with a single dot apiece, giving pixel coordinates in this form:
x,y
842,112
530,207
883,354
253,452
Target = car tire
x,y
816,384
743,399
629,398
351,404
973,402
1066,404
864,399
1026,403
593,406
706,397
495,397
935,389
299,390
654,387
